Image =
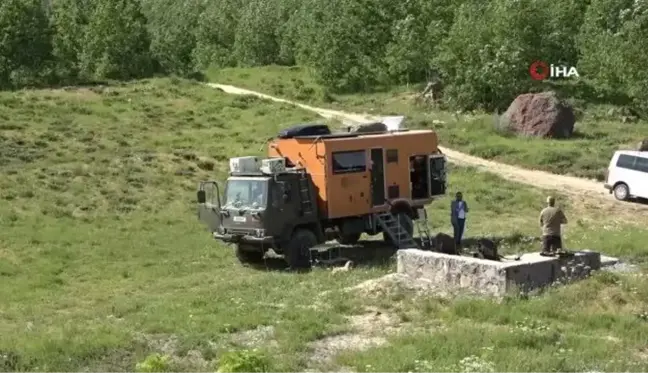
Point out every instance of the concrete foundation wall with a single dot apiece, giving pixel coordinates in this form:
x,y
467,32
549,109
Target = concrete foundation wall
x,y
451,273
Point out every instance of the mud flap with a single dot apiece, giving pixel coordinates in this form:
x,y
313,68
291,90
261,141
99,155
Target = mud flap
x,y
209,206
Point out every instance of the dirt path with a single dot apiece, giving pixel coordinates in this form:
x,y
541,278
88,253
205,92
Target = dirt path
x,y
581,189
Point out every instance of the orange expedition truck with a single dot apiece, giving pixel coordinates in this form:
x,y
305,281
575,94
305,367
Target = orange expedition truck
x,y
317,185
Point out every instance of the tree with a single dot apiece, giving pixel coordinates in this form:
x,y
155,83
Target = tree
x,y
256,42
69,19
172,25
613,42
487,53
116,41
25,42
345,40
216,33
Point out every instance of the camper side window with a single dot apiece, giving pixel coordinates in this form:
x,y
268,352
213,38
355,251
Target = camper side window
x,y
392,155
349,161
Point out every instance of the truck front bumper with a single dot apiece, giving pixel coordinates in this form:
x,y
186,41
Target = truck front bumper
x,y
608,187
247,239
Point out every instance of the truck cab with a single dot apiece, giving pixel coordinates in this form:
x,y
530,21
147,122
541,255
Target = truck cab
x,y
262,205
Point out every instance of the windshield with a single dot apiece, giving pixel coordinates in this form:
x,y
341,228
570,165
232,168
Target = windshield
x,y
246,193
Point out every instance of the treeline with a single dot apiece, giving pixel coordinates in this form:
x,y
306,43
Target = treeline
x,y
480,50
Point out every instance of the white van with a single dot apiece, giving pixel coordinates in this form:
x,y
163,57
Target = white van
x,y
627,175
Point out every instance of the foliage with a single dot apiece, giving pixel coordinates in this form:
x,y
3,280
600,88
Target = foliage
x,y
171,26
116,42
612,42
243,361
70,19
25,43
481,51
154,363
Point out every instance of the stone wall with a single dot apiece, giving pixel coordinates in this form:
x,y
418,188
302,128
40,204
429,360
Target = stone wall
x,y
450,273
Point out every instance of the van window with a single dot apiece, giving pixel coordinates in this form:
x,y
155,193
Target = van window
x,y
626,161
633,163
641,164
349,161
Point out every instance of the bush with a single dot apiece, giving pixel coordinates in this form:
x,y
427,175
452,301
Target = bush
x,y
243,361
155,363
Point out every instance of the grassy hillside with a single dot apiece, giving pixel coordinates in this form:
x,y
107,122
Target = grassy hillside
x,y
103,262
599,129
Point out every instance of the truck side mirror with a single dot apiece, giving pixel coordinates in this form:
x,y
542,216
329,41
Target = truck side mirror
x,y
201,196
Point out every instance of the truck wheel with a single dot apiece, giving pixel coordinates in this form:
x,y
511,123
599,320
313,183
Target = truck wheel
x,y
249,254
409,226
349,239
298,251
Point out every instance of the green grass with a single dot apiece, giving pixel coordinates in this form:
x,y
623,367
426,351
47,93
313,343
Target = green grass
x,y
103,262
599,130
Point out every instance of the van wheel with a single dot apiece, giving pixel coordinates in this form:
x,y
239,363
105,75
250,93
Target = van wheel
x,y
349,239
621,192
249,254
297,253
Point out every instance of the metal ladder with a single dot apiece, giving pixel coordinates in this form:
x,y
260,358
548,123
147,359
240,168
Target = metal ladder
x,y
395,229
424,230
305,195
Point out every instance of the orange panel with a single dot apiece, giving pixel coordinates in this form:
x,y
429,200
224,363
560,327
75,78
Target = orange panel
x,y
309,154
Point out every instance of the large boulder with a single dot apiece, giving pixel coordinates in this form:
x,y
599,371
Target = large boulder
x,y
541,115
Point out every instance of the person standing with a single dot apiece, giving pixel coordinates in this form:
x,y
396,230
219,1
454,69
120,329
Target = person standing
x,y
551,220
458,211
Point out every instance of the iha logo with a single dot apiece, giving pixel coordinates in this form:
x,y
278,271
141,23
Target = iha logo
x,y
540,70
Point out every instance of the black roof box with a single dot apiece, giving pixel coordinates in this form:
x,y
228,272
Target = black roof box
x,y
308,129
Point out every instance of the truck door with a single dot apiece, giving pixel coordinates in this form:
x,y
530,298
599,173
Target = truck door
x,y
437,166
377,177
209,206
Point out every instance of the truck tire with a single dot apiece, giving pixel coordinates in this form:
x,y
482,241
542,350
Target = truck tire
x,y
297,253
408,227
349,238
248,254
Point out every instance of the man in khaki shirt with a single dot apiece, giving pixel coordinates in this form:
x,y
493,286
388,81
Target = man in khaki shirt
x,y
551,219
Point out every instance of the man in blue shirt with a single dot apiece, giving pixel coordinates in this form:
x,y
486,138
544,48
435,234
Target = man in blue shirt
x,y
458,211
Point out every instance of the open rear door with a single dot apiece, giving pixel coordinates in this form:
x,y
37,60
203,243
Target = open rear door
x,y
438,179
209,205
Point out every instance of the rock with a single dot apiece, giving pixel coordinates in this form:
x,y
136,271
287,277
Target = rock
x,y
643,145
541,115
